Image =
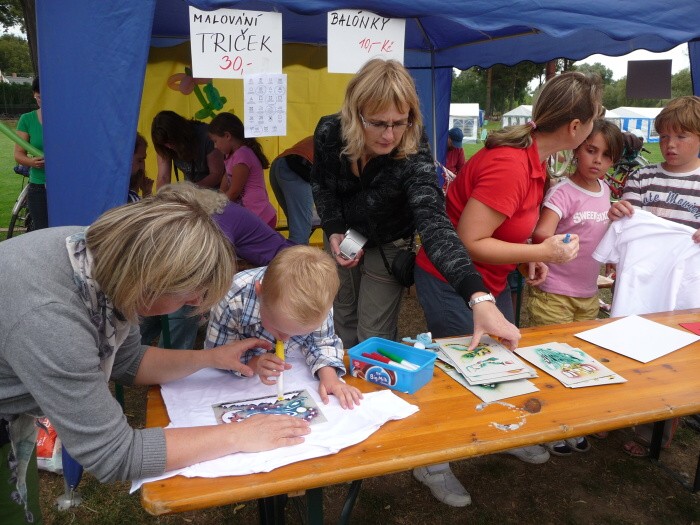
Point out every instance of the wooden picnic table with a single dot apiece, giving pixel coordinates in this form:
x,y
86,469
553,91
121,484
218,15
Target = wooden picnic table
x,y
450,426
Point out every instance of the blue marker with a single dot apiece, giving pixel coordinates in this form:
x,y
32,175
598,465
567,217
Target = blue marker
x,y
567,238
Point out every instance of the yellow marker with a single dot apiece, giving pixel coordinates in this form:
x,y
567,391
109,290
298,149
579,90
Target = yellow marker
x,y
279,352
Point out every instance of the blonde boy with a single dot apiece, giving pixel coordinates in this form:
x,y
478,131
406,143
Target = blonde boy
x,y
289,300
670,189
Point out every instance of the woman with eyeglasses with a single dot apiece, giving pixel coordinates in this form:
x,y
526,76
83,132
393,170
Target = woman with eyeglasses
x,y
373,173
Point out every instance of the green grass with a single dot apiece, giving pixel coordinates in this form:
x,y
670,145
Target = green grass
x,y
10,182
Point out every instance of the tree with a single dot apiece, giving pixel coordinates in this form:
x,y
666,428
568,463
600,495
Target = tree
x,y
681,84
509,86
14,56
598,69
22,13
11,14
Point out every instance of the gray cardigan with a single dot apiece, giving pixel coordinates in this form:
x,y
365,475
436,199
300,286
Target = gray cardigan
x,y
49,362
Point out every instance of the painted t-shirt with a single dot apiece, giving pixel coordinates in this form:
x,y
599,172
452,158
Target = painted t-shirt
x,y
254,194
584,213
673,196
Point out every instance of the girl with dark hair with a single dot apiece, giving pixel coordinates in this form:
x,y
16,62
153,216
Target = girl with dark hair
x,y
185,144
245,161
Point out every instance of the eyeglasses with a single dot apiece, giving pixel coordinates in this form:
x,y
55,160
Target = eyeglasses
x,y
380,125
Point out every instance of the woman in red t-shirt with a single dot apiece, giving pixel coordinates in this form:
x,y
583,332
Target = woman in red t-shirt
x,y
494,205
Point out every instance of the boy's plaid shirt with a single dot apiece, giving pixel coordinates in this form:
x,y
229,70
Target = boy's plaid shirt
x,y
237,317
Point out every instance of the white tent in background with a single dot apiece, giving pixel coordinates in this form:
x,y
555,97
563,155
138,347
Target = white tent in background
x,y
519,115
466,118
629,118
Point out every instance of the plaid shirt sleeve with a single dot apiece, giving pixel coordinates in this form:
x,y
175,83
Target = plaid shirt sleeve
x,y
230,319
321,347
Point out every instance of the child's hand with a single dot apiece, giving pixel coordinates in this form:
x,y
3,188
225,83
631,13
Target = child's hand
x,y
537,273
347,395
268,366
228,356
620,209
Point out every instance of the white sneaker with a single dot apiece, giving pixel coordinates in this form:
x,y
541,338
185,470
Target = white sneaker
x,y
444,486
536,454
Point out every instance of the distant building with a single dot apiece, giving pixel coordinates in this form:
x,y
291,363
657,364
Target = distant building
x,y
14,79
629,118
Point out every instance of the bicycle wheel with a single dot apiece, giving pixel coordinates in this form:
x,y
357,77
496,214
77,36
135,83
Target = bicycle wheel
x,y
20,222
558,164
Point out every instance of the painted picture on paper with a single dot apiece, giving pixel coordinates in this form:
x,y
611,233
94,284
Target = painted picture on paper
x,y
297,403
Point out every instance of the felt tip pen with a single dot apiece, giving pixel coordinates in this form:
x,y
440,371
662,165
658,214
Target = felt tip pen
x,y
398,359
567,238
279,352
385,360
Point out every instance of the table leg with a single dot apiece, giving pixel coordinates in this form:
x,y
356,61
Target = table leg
x,y
350,502
314,506
271,510
656,437
696,483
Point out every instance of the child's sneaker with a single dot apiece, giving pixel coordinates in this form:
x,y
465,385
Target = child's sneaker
x,y
535,454
579,444
559,448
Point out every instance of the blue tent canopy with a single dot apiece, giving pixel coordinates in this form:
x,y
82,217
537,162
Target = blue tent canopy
x,y
93,56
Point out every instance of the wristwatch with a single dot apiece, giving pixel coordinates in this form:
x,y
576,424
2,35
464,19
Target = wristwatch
x,y
481,299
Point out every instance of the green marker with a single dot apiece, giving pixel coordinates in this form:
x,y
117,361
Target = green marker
x,y
398,359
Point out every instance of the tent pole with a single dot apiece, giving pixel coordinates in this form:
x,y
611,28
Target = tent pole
x,y
432,81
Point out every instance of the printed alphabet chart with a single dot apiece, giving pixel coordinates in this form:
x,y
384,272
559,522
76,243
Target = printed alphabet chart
x,y
265,99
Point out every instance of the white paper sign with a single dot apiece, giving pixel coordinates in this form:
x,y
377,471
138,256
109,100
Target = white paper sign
x,y
229,43
354,37
265,98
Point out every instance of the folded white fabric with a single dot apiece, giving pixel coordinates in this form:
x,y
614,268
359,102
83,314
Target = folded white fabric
x,y
189,403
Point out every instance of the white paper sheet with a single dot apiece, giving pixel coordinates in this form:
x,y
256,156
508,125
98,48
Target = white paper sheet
x,y
638,338
189,402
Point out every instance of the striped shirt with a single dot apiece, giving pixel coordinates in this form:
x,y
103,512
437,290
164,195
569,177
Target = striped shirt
x,y
673,196
237,317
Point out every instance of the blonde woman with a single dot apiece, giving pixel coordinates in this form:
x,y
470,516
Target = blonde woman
x,y
494,204
373,172
69,319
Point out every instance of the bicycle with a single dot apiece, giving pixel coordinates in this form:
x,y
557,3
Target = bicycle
x,y
20,218
631,160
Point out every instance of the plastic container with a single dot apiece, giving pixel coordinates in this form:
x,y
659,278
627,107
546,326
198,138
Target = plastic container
x,y
388,374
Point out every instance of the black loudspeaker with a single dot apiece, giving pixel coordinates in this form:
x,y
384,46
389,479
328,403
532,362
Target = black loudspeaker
x,y
649,79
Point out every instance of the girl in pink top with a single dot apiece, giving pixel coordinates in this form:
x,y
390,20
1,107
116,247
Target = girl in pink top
x,y
577,205
245,161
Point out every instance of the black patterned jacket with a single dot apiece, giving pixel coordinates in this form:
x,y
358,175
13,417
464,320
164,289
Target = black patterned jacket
x,y
394,198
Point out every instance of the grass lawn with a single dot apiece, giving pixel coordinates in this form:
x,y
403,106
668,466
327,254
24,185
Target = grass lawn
x,y
10,182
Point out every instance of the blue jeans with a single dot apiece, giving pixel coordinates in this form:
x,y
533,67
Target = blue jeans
x,y
446,313
294,195
183,329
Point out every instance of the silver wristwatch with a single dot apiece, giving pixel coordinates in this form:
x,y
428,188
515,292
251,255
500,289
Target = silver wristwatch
x,y
481,299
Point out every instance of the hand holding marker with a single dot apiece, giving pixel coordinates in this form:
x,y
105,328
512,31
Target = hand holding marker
x,y
567,238
279,352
